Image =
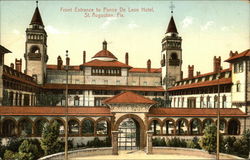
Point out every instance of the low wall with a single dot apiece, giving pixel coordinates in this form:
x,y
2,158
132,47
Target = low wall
x,y
190,152
80,153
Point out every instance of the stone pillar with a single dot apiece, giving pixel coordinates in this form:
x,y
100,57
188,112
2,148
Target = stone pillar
x,y
115,142
149,142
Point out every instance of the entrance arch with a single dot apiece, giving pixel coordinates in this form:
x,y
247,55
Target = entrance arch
x,y
137,126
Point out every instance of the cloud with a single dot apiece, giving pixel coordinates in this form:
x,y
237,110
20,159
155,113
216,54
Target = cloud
x,y
52,30
15,31
132,26
108,22
207,25
187,21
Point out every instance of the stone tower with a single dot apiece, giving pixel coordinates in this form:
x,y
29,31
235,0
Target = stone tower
x,y
36,48
171,54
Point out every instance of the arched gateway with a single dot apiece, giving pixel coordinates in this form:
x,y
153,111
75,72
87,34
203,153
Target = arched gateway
x,y
129,130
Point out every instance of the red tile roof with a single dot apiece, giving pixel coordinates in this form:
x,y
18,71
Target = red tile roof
x,y
104,53
245,53
99,63
145,70
104,87
54,67
54,111
208,74
128,98
202,84
195,112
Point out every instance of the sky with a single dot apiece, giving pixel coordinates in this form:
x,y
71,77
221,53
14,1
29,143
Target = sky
x,y
207,28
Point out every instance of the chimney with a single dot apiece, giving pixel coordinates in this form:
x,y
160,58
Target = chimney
x,y
149,65
190,71
126,58
18,65
104,45
12,65
59,63
84,56
198,73
67,61
217,64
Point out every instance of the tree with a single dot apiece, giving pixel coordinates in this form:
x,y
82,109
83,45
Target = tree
x,y
49,141
10,155
208,141
27,151
160,102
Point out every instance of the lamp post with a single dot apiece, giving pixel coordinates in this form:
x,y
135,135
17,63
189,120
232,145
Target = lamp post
x,y
218,121
66,110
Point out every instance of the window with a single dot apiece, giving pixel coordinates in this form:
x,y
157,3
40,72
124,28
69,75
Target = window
x,y
208,102
238,87
224,101
202,102
76,101
106,82
102,128
133,83
107,71
238,67
87,127
145,83
191,102
118,82
98,101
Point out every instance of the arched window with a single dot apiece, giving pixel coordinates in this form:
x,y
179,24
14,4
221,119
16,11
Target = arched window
x,y
34,49
174,56
222,126
73,127
25,127
233,127
168,127
8,128
76,101
207,122
87,127
39,126
155,127
182,126
195,126
102,127
61,126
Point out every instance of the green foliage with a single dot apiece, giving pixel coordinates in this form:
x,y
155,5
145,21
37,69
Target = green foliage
x,y
159,142
6,100
49,141
10,155
194,143
96,142
160,102
28,151
208,141
177,142
228,145
49,98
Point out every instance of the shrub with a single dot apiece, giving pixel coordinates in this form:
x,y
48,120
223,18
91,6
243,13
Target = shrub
x,y
194,143
96,142
159,142
177,142
49,141
10,155
208,141
28,151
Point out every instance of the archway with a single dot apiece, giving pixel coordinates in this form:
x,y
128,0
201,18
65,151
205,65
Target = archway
x,y
135,131
233,127
9,127
129,134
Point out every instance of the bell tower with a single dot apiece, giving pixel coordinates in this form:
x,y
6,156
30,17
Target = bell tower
x,y
36,48
171,55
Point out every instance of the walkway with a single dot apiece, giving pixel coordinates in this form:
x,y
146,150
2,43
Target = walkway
x,y
138,154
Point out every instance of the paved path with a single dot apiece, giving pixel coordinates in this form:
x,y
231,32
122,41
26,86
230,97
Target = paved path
x,y
139,155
